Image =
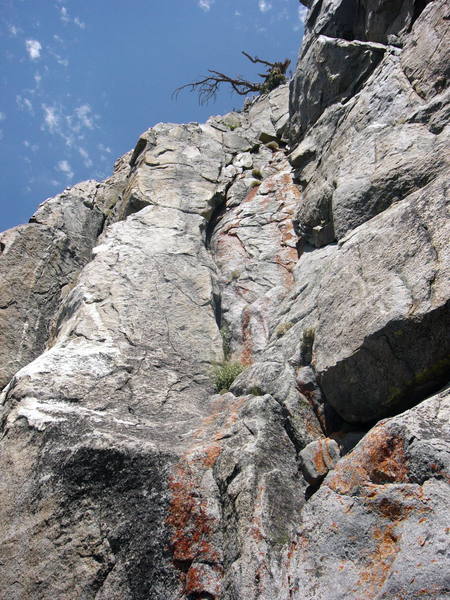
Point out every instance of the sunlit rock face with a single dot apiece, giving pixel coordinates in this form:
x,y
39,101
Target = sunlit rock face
x,y
304,240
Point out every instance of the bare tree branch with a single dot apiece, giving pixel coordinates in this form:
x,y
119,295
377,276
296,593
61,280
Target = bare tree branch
x,y
257,60
208,86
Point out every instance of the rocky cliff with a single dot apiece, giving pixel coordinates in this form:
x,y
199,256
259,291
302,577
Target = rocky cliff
x,y
303,240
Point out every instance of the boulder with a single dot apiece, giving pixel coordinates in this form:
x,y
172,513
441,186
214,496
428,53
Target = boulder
x,y
317,458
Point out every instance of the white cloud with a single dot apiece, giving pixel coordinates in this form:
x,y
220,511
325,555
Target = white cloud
x,y
205,4
13,30
30,146
103,148
33,48
86,158
70,126
24,103
64,14
84,116
62,61
302,12
2,116
237,13
59,59
65,18
37,78
264,6
79,23
51,118
64,167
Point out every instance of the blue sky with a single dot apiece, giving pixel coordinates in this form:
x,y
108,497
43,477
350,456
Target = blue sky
x,y
81,80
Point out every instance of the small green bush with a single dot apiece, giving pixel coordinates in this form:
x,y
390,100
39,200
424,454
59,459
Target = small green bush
x,y
283,328
224,374
256,173
255,183
307,343
226,340
273,146
256,391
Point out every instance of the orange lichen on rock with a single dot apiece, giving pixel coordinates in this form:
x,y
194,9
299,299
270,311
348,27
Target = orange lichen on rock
x,y
379,562
211,455
318,459
381,460
247,349
195,527
251,194
188,518
203,578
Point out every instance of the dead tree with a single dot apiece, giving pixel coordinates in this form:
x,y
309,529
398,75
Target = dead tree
x,y
208,86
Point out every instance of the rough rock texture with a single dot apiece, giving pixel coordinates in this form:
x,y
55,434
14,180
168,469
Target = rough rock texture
x,y
377,527
142,465
379,123
40,262
317,458
372,164
311,248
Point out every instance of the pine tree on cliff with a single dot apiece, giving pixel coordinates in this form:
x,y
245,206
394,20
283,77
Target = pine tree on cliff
x,y
208,86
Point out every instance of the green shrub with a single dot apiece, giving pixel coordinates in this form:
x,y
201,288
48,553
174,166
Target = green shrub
x,y
224,374
226,340
256,173
283,328
307,343
256,391
273,146
255,183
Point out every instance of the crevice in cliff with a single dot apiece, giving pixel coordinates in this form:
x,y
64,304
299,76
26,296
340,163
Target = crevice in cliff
x,y
419,7
200,596
217,307
218,212
140,147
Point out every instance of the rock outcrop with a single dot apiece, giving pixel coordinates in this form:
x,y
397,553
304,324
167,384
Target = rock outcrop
x,y
308,246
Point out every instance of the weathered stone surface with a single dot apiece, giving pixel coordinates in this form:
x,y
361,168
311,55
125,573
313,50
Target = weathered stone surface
x,y
425,59
120,404
382,21
366,137
124,477
375,308
38,263
256,270
378,526
318,458
373,168
340,69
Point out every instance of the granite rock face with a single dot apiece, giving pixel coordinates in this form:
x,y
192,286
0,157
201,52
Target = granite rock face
x,y
372,162
309,246
376,528
361,146
39,263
